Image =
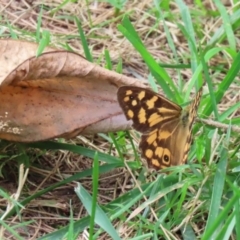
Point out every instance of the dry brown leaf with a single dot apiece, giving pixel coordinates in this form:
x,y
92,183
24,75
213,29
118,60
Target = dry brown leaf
x,y
60,94
15,52
33,114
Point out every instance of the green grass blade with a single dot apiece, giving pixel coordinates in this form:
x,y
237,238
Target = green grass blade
x,y
237,216
186,17
226,24
158,72
78,227
210,86
39,23
70,233
221,217
224,85
75,149
100,218
11,230
95,177
108,60
119,67
43,42
227,228
219,35
218,187
12,32
225,114
188,233
171,44
191,83
84,41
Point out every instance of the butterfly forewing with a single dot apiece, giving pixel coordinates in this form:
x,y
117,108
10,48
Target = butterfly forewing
x,y
165,126
147,110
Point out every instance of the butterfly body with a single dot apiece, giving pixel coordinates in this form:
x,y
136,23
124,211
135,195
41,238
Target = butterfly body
x,y
165,126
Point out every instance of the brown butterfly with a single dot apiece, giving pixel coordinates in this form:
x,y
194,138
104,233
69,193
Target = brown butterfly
x,y
166,127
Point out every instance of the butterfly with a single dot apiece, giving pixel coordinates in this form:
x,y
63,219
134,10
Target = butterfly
x,y
166,128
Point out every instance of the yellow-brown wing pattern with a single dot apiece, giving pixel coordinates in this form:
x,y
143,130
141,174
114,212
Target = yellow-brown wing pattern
x,y
165,126
147,110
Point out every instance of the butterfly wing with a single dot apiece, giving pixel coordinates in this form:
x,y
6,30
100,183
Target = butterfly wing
x,y
169,145
165,126
147,109
192,112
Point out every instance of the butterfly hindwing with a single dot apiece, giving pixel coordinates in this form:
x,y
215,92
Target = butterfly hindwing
x,y
158,146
